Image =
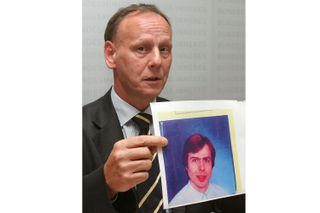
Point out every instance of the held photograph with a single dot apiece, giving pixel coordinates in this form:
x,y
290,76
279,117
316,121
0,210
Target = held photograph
x,y
198,160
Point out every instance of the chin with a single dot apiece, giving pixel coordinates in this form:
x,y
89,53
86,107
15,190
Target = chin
x,y
202,185
152,93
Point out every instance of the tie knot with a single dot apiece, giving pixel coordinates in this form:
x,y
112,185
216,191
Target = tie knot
x,y
143,120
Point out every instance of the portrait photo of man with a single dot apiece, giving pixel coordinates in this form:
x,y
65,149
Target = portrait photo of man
x,y
198,160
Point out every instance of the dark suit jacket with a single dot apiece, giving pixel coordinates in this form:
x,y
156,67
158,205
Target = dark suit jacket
x,y
101,129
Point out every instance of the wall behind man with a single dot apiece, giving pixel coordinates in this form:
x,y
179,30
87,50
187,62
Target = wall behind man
x,y
208,48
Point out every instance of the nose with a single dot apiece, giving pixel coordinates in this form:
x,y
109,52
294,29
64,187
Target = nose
x,y
201,165
155,58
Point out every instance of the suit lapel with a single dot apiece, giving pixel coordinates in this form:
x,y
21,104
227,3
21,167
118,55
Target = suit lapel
x,y
110,130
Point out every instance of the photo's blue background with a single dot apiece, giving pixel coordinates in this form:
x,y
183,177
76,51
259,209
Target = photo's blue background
x,y
216,128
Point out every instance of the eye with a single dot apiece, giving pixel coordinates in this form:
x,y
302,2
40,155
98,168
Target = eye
x,y
207,160
141,49
194,160
165,50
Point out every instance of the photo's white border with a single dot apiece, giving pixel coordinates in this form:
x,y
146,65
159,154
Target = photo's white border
x,y
198,107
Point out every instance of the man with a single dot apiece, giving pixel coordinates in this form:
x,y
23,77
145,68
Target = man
x,y
118,161
198,161
138,43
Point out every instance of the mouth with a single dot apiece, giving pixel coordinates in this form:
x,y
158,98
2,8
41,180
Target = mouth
x,y
152,79
201,178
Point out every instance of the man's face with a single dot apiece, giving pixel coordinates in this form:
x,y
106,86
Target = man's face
x,y
199,168
143,44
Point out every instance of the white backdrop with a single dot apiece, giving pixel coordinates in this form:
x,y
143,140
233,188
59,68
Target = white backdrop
x,y
208,48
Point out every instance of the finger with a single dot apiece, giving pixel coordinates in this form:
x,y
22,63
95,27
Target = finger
x,y
139,153
145,140
139,166
139,177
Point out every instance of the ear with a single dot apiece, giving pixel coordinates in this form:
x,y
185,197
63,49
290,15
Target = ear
x,y
109,54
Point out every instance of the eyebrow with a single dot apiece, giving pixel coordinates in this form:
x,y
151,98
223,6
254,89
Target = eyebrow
x,y
192,157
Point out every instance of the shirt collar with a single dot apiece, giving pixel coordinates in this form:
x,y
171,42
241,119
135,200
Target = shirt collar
x,y
124,110
196,192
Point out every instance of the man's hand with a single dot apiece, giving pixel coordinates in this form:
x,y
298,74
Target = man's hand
x,y
130,161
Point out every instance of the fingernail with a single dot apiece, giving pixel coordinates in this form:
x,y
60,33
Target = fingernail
x,y
164,140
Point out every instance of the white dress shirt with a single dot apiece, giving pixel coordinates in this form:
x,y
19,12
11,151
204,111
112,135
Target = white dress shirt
x,y
125,113
188,194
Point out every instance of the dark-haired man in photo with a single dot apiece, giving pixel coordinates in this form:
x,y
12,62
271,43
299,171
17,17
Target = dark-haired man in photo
x,y
120,165
198,158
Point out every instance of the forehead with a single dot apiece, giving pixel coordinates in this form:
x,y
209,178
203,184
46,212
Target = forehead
x,y
202,153
137,23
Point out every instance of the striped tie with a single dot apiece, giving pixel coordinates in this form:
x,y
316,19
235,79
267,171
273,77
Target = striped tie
x,y
149,195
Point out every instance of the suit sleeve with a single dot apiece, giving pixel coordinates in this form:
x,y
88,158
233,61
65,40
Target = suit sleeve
x,y
95,191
